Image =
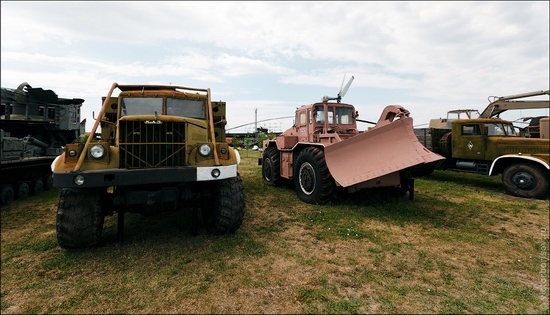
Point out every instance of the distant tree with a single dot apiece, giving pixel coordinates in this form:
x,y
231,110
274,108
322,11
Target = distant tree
x,y
237,142
248,141
261,137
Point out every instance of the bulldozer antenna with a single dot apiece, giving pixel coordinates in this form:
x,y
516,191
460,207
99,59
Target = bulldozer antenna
x,y
343,91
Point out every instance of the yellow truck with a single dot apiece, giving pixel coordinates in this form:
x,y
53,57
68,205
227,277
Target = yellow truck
x,y
160,147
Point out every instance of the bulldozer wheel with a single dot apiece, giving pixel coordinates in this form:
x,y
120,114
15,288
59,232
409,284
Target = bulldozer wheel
x,y
80,218
312,179
6,194
225,211
526,180
271,167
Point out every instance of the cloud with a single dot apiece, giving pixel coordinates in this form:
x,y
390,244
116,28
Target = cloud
x,y
440,55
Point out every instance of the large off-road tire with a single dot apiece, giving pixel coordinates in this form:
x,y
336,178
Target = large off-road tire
x,y
526,180
271,167
225,210
7,194
22,190
313,182
80,218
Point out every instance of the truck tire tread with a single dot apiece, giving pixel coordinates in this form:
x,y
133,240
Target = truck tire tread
x,y
80,218
225,213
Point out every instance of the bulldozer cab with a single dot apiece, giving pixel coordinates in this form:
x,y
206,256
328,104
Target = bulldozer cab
x,y
325,122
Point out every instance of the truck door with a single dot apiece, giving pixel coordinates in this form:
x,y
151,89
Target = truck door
x,y
471,144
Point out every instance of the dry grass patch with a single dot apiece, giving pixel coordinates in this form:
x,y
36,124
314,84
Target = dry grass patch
x,y
462,246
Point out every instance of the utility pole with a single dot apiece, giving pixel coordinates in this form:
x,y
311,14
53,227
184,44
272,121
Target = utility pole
x,y
256,125
256,119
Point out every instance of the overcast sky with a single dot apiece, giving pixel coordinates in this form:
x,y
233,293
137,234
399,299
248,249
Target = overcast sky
x,y
429,57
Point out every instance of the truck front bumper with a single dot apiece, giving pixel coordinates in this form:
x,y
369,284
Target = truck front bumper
x,y
133,177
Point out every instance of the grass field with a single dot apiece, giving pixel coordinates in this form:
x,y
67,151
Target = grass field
x,y
461,246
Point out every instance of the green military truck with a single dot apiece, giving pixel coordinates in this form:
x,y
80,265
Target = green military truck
x,y
160,147
488,145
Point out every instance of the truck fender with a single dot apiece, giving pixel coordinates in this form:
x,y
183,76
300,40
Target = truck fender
x,y
500,163
54,163
237,155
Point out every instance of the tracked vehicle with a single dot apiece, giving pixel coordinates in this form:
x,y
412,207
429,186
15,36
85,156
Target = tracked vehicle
x,y
35,126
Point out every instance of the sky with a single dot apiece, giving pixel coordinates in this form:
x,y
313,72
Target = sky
x,y
265,59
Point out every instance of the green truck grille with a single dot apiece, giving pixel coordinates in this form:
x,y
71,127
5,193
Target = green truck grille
x,y
151,144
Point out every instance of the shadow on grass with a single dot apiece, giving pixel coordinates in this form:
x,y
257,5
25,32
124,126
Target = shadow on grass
x,y
471,180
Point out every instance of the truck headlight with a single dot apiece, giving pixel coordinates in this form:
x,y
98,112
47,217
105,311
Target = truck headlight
x,y
97,151
72,153
78,180
205,150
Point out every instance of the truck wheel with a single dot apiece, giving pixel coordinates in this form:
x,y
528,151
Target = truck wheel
x,y
22,190
80,218
48,182
526,180
312,179
225,211
6,194
271,167
37,186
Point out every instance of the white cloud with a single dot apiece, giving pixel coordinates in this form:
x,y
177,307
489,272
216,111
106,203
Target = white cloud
x,y
441,55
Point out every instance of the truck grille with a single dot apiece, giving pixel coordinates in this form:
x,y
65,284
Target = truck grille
x,y
151,144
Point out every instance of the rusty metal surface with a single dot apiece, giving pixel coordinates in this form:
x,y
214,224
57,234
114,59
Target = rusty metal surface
x,y
380,151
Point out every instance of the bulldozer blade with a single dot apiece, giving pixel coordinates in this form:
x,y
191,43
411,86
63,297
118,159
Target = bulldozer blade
x,y
384,149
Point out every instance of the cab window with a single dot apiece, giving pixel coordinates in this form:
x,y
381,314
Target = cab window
x,y
319,114
141,106
343,115
471,130
185,108
302,119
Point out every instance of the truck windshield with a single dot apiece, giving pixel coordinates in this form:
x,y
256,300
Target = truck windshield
x,y
174,107
343,115
141,106
185,108
497,129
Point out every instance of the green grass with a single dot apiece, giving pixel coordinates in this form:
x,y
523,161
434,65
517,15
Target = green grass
x,y
462,246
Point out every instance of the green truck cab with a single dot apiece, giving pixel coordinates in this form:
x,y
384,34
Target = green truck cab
x,y
160,147
492,146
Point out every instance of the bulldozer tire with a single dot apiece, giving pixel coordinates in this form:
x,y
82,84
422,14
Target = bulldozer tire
x,y
80,218
526,180
7,194
312,179
271,167
22,190
225,211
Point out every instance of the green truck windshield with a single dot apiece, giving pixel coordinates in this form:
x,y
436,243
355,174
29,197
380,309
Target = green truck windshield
x,y
498,129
